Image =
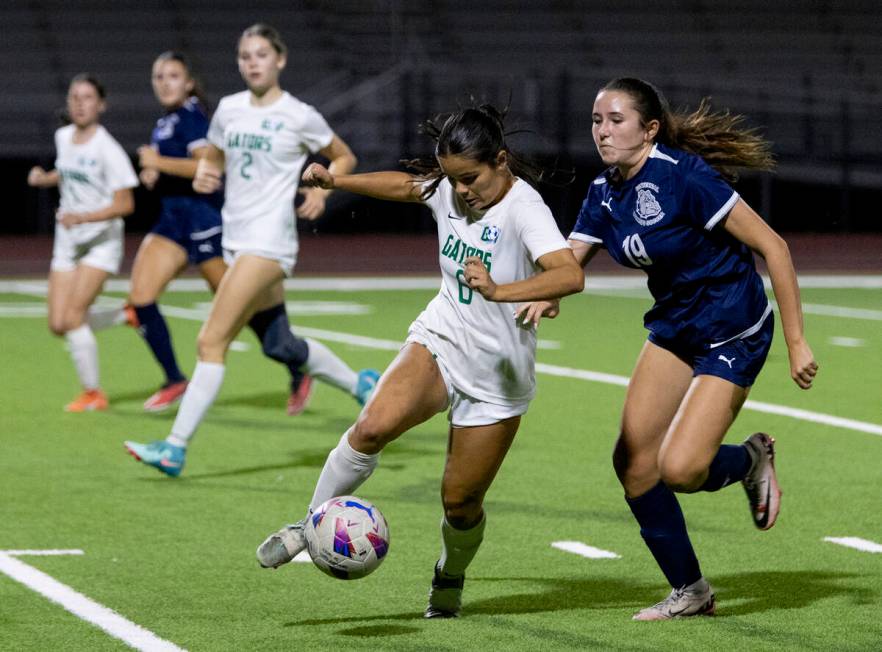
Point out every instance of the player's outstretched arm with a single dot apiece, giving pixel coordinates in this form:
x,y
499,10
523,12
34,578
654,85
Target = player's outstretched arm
x,y
748,227
342,161
393,186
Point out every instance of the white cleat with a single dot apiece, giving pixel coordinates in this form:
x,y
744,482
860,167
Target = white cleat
x,y
761,483
694,600
282,546
445,596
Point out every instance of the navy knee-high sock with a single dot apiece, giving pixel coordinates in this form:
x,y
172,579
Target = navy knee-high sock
x,y
279,343
155,331
730,465
663,528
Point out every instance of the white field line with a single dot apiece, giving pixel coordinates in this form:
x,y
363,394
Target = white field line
x,y
850,342
345,284
584,550
41,553
552,370
79,605
855,542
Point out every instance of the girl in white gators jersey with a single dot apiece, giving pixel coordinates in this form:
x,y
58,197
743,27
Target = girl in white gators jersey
x,y
95,180
259,139
467,352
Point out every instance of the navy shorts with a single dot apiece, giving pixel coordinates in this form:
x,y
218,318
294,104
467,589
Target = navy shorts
x,y
192,223
738,361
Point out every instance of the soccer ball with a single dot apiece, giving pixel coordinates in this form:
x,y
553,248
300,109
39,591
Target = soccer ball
x,y
347,537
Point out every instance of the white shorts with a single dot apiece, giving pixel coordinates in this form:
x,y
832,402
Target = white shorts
x,y
464,410
285,262
104,251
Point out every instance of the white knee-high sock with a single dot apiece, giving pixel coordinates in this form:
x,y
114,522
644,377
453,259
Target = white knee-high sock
x,y
458,547
344,472
101,317
201,392
324,364
84,351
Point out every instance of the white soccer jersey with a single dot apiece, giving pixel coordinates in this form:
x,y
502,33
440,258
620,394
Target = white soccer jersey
x,y
488,356
265,148
88,176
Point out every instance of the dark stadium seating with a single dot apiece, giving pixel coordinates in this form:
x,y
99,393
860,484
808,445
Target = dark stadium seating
x,y
377,67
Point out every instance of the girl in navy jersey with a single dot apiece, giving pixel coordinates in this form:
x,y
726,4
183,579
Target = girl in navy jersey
x,y
256,145
95,180
465,353
664,206
188,229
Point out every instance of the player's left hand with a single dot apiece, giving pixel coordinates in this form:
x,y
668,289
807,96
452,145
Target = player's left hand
x,y
148,157
478,278
313,206
803,367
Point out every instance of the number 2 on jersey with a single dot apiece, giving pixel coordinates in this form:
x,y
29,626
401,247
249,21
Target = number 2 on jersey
x,y
247,160
635,251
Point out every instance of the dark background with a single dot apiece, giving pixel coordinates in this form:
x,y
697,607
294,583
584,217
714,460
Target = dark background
x,y
807,73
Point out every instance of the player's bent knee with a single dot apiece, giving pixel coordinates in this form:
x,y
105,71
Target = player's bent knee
x,y
683,477
370,432
462,511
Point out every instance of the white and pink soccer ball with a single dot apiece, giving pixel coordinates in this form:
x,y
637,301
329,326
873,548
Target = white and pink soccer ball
x,y
347,537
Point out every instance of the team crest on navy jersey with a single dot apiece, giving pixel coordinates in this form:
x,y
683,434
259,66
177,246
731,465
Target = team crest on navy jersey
x,y
648,210
490,234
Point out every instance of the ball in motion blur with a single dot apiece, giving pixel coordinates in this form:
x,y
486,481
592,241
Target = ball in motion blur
x,y
347,537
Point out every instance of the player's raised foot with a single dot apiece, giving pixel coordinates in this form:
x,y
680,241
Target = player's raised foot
x,y
697,599
166,396
89,401
367,381
299,398
282,546
445,596
761,483
159,454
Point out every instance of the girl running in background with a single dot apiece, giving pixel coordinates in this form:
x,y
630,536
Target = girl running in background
x,y
188,229
259,139
95,180
465,353
663,206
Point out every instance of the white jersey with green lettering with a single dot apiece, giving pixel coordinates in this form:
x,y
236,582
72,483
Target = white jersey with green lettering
x,y
265,148
88,176
488,355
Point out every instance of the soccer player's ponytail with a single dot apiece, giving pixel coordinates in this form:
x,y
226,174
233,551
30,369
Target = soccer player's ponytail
x,y
718,138
476,133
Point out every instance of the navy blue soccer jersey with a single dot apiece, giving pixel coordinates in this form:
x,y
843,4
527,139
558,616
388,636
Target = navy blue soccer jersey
x,y
665,221
176,135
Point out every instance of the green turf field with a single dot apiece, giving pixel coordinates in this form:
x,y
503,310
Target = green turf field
x,y
176,557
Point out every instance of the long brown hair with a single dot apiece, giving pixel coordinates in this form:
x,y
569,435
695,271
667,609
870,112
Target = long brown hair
x,y
719,138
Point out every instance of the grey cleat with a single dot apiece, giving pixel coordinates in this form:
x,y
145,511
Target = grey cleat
x,y
761,483
697,599
282,546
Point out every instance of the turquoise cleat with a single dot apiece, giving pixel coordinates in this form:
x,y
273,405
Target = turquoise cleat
x,y
367,380
160,454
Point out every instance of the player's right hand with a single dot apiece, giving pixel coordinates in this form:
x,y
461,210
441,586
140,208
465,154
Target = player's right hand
x,y
208,177
316,175
534,311
37,176
149,177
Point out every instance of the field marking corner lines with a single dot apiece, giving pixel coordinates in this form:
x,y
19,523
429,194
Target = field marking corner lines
x,y
79,605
